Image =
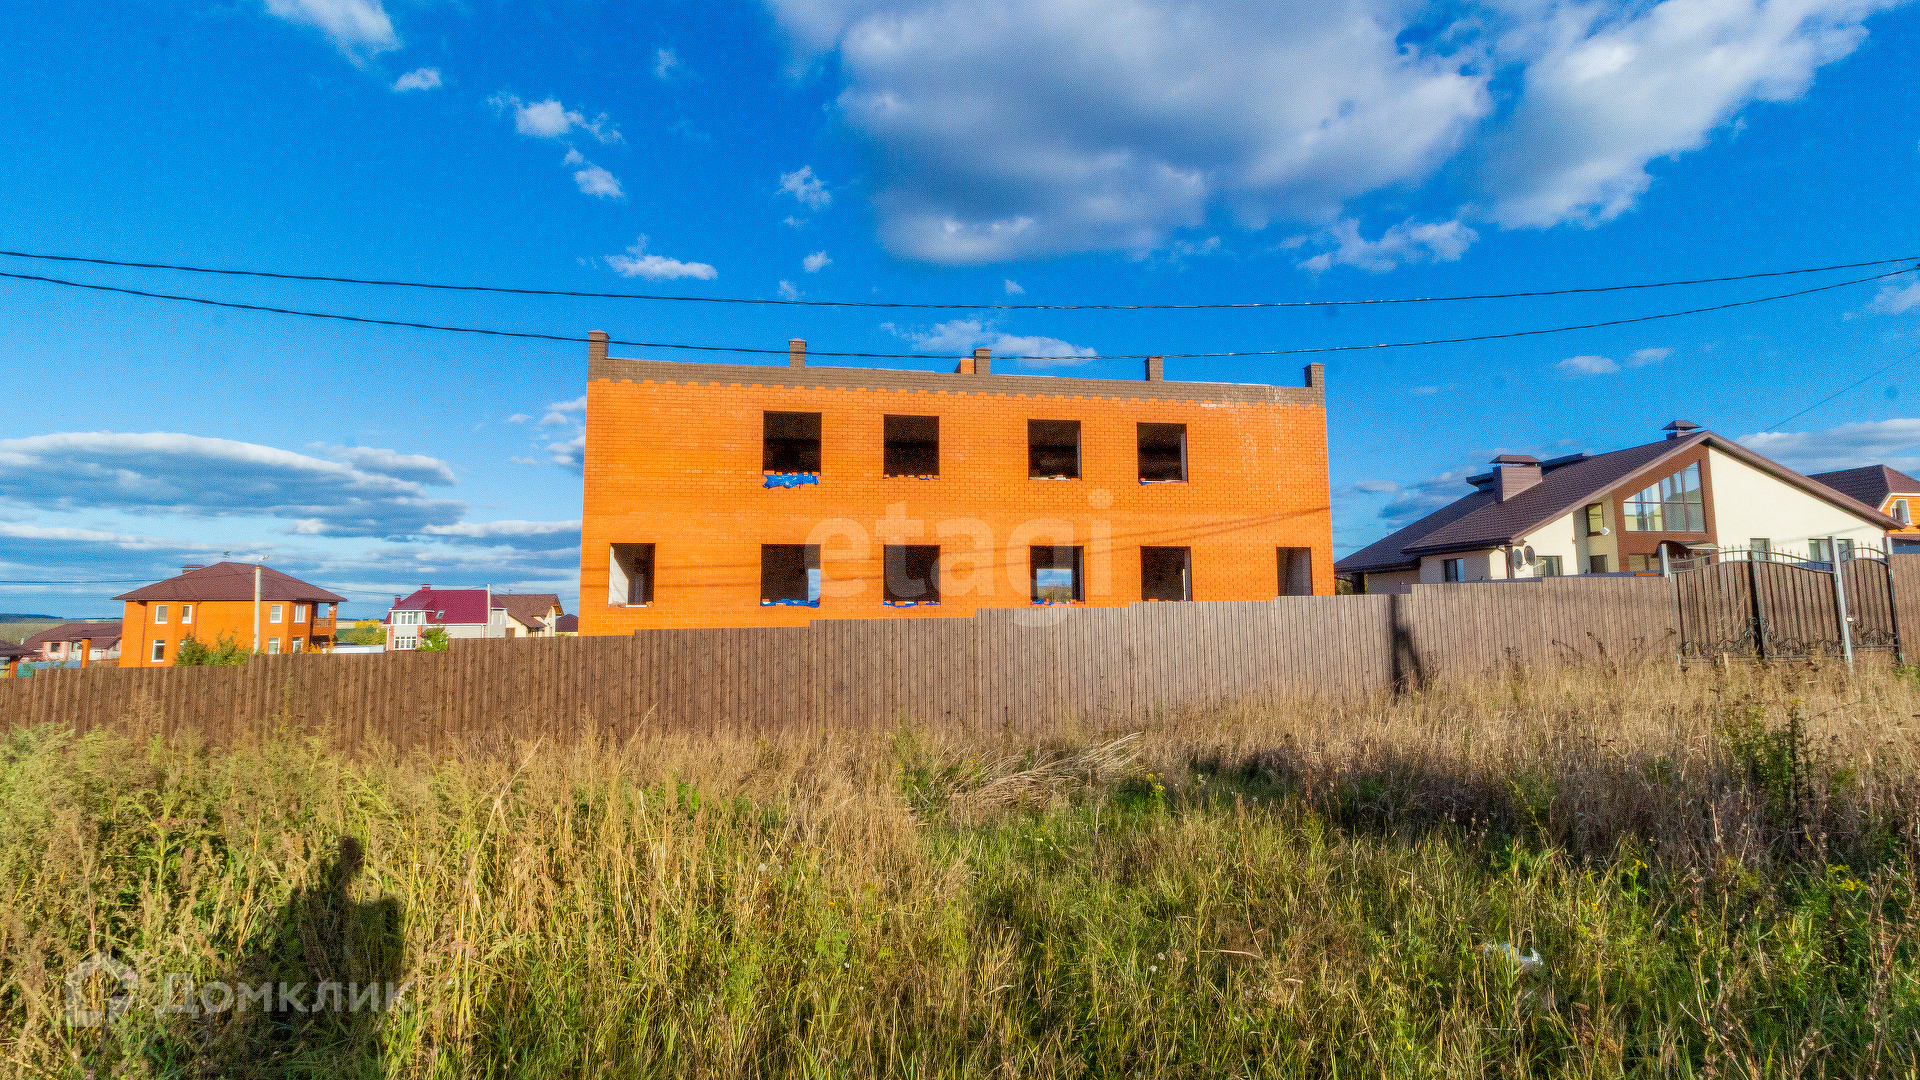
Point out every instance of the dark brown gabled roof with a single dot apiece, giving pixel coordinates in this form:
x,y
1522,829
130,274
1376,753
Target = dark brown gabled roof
x,y
1479,521
232,581
528,609
105,635
1871,484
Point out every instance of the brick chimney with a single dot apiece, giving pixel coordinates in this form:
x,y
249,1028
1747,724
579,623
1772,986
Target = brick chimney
x,y
596,345
1680,429
1156,368
1513,474
983,361
796,352
1316,376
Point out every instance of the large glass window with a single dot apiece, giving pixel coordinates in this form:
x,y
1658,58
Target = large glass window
x,y
1548,566
1672,505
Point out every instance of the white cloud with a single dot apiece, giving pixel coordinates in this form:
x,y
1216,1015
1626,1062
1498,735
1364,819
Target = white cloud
x,y
1895,299
666,63
1611,87
1578,366
514,533
578,405
550,119
166,472
425,78
788,292
808,188
1376,487
568,454
418,468
518,418
1412,502
961,336
813,263
1849,446
360,29
1644,357
1012,131
793,222
1014,289
1408,242
598,182
637,263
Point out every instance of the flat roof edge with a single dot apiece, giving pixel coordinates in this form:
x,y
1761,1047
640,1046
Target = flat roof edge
x,y
616,369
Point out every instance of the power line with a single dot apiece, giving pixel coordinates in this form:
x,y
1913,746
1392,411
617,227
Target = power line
x,y
950,356
1876,373
944,307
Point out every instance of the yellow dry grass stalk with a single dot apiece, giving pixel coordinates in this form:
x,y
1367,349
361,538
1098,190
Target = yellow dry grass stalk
x,y
1714,867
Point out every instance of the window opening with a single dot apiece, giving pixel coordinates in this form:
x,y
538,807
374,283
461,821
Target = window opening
x,y
790,574
1759,548
1596,564
1596,519
1057,577
159,651
159,614
299,613
790,446
1900,512
1166,573
273,613
1548,566
186,614
1453,570
912,446
1296,571
630,574
1053,449
913,575
1163,453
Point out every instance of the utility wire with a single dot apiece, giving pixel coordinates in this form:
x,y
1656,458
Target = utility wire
x,y
946,307
1876,373
950,356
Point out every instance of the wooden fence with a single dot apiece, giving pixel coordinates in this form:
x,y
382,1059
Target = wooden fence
x,y
1029,669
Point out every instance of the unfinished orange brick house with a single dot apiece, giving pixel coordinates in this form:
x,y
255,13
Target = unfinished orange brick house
x,y
723,495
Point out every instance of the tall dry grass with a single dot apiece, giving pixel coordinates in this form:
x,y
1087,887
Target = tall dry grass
x,y
1714,869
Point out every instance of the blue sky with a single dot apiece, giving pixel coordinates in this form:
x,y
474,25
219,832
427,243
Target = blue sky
x,y
1050,151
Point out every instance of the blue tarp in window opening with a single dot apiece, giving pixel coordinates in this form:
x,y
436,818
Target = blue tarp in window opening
x,y
789,603
791,479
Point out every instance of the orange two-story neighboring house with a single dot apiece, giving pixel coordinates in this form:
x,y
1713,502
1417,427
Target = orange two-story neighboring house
x,y
722,495
206,602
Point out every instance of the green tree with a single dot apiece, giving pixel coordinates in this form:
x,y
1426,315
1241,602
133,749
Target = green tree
x,y
225,650
365,632
434,640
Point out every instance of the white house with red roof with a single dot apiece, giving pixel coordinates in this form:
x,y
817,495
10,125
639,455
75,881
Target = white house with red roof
x,y
462,613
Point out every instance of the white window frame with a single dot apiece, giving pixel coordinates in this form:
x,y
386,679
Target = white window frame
x,y
273,646
186,614
408,618
297,644
159,614
159,650
274,613
299,613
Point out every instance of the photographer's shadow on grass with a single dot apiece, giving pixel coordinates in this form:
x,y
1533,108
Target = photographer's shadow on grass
x,y
321,953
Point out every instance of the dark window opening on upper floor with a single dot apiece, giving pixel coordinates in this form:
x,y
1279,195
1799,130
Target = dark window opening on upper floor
x,y
1163,453
630,574
913,574
1053,449
1166,574
913,446
790,442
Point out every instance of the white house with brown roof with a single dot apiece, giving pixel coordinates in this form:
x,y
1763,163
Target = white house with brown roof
x,y
530,614
1693,491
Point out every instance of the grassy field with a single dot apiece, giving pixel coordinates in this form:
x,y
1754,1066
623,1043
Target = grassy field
x,y
19,630
1714,870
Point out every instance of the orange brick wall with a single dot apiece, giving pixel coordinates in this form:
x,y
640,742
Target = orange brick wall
x,y
678,465
211,618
